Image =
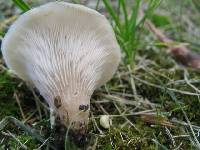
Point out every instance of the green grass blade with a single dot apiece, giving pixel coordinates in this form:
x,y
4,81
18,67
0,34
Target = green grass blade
x,y
196,4
123,4
97,5
132,29
113,14
133,19
153,4
22,5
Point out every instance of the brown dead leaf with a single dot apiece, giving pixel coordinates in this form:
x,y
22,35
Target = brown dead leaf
x,y
156,119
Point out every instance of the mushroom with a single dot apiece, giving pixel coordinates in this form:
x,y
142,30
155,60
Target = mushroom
x,y
66,51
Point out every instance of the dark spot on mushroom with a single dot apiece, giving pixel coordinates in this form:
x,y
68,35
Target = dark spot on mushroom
x,y
57,102
81,124
84,107
76,93
73,124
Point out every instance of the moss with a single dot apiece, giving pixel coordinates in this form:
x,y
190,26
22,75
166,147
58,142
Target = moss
x,y
127,138
30,143
8,105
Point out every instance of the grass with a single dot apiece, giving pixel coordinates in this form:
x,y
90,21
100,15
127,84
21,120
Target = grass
x,y
22,5
126,28
153,101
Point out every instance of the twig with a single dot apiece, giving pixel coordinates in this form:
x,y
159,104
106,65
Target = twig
x,y
18,103
170,89
179,51
126,118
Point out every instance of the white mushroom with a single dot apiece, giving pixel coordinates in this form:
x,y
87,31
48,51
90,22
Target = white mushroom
x,y
66,51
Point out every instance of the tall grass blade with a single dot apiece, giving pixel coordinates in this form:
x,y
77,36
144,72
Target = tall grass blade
x,y
196,4
113,14
125,13
132,29
134,15
153,4
22,5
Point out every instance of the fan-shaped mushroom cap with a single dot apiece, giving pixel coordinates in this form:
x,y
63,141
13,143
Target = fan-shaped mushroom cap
x,y
66,51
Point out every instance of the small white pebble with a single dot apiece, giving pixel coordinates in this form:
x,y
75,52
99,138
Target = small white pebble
x,y
105,121
10,72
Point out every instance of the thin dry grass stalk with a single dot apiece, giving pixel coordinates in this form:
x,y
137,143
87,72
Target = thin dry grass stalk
x,y
19,104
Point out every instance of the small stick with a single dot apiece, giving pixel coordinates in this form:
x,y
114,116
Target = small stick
x,y
20,108
180,52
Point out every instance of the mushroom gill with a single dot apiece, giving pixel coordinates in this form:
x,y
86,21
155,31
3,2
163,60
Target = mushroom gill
x,y
66,51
